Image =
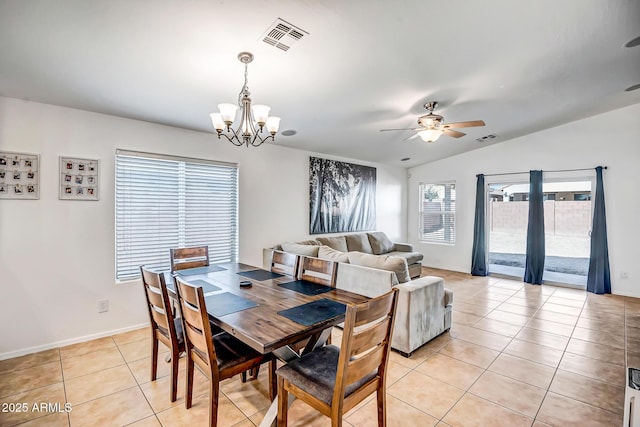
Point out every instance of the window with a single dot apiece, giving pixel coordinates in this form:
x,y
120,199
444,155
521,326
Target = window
x,y
438,213
166,202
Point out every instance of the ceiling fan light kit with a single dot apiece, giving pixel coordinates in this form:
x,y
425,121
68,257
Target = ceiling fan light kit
x,y
430,135
255,126
432,126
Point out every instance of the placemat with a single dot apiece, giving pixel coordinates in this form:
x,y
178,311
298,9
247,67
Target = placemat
x,y
206,286
305,287
314,312
260,275
226,303
199,270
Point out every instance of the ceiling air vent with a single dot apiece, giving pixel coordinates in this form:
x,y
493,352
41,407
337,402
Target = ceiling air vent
x,y
485,138
283,35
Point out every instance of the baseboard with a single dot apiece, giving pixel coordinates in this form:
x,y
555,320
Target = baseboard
x,y
63,343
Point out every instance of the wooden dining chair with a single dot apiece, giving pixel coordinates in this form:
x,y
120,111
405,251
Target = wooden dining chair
x,y
320,271
165,327
218,357
285,263
316,270
183,258
333,380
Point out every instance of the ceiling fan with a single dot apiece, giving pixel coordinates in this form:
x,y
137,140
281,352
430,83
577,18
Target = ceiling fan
x,y
433,125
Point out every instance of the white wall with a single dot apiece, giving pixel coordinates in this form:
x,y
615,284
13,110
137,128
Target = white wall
x,y
57,257
610,139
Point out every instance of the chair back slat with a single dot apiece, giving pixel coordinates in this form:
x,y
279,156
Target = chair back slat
x,y
316,270
285,263
184,258
373,310
160,317
198,341
364,365
362,341
192,317
154,296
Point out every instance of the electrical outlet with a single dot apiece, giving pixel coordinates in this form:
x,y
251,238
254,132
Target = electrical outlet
x,y
103,306
624,275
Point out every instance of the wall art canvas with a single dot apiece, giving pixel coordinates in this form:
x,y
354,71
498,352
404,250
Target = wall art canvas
x,y
19,175
342,196
78,179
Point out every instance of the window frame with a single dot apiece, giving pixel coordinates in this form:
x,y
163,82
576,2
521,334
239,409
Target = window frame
x,y
447,186
190,229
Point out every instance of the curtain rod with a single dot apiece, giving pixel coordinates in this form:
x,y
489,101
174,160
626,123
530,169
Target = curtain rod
x,y
558,170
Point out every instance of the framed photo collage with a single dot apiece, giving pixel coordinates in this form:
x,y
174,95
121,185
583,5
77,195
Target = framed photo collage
x,y
20,177
78,179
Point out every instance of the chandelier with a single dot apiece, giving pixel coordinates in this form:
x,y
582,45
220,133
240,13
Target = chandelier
x,y
255,126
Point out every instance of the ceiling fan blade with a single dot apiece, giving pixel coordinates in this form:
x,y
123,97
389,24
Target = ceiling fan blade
x,y
453,133
415,135
387,130
469,124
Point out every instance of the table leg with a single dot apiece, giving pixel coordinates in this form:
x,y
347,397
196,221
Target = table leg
x,y
317,341
271,417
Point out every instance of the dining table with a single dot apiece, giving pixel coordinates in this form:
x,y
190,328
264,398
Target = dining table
x,y
270,312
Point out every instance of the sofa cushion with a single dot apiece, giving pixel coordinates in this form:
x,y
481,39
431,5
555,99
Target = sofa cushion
x,y
383,262
380,243
325,252
298,249
339,243
358,242
411,257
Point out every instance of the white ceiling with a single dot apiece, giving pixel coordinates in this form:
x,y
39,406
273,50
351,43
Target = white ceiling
x,y
521,66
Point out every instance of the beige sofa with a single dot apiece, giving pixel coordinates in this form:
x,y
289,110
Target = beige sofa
x,y
374,243
424,305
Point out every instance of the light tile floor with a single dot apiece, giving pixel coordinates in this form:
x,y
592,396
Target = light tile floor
x,y
517,355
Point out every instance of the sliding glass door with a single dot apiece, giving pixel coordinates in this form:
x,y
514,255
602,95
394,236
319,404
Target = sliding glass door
x,y
567,218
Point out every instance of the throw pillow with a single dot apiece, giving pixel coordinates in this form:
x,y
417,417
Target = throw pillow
x,y
358,242
380,243
382,262
298,249
339,243
325,252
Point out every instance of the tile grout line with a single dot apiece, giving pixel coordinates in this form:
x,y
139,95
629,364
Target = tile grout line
x,y
64,387
467,391
547,389
559,362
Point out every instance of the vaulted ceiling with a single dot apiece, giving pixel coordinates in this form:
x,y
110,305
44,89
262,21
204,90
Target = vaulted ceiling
x,y
361,66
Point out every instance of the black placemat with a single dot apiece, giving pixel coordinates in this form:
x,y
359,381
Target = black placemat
x,y
305,287
206,286
226,303
314,312
200,270
260,275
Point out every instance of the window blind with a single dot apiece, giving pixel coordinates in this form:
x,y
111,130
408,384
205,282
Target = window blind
x,y
169,202
438,213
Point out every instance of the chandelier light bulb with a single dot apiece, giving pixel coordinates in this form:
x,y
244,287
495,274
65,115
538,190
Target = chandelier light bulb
x,y
228,112
273,123
216,120
260,113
